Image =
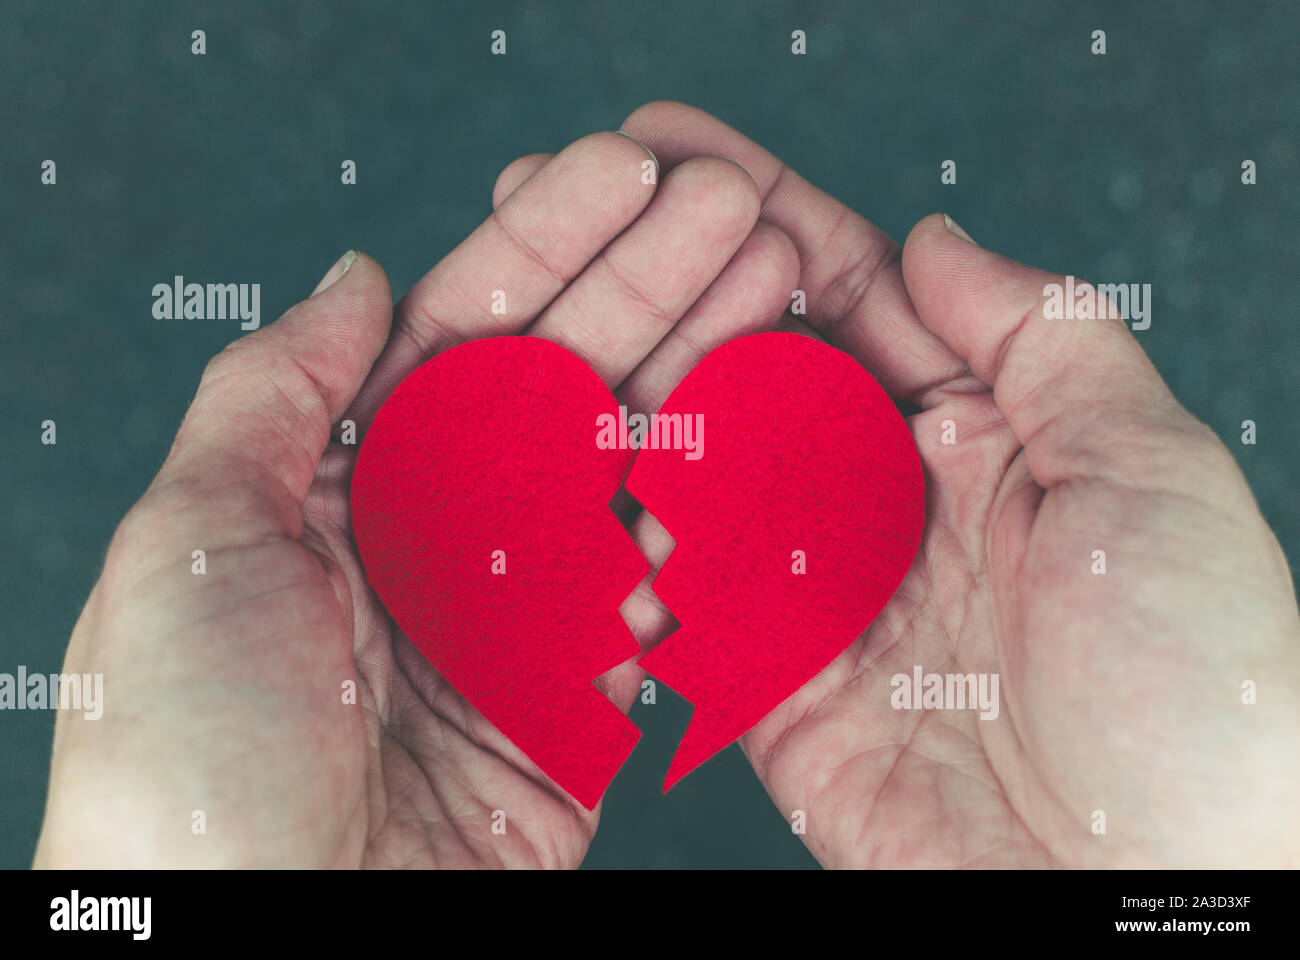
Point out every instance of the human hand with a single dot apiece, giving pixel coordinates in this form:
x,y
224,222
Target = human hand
x,y
1120,693
224,691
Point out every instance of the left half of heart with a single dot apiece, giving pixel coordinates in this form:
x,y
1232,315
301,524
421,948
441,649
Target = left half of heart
x,y
480,506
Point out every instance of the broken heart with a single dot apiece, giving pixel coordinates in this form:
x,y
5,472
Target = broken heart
x,y
480,505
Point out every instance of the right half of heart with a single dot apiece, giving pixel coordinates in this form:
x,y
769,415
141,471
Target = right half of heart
x,y
797,509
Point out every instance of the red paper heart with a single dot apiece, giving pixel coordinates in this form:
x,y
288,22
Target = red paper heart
x,y
803,451
491,446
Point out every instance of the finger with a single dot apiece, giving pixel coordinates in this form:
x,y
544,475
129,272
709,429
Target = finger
x,y
850,268
1079,394
517,260
261,417
630,296
749,296
510,179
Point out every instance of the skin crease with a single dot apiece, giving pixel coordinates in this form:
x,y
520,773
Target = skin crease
x,y
1120,693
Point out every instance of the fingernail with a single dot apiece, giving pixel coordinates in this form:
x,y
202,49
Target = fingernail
x,y
340,267
642,146
954,227
747,173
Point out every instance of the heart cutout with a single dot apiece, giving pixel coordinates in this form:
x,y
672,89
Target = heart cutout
x,y
480,505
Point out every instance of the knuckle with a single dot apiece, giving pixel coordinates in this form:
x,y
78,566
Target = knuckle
x,y
222,364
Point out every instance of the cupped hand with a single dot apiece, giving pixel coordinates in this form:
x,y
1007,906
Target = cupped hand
x,y
228,735
1123,694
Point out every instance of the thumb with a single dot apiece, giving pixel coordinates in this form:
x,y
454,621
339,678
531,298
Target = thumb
x,y
265,405
1080,395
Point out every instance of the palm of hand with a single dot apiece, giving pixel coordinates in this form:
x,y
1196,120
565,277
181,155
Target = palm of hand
x,y
1116,689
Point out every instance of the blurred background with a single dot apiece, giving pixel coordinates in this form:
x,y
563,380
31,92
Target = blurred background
x,y
225,168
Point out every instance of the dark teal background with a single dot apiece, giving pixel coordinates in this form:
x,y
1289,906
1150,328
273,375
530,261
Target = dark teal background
x,y
225,167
